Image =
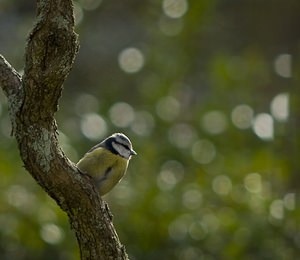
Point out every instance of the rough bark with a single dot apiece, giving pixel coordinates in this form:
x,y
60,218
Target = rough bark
x,y
33,100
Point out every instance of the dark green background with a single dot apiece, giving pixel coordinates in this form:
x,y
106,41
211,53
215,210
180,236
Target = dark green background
x,y
201,186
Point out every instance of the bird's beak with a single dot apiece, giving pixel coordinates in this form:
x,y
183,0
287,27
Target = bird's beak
x,y
132,152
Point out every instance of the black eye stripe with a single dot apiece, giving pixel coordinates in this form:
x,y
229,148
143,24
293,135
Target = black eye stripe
x,y
124,145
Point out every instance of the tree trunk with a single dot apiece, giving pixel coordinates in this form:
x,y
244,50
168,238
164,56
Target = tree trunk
x,y
33,99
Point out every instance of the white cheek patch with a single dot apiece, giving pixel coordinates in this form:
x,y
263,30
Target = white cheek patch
x,y
121,150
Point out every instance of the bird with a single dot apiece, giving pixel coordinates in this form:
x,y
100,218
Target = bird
x,y
107,161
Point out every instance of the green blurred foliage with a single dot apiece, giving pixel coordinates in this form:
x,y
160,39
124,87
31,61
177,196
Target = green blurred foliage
x,y
208,93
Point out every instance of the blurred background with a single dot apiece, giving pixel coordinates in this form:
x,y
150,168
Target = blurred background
x,y
208,92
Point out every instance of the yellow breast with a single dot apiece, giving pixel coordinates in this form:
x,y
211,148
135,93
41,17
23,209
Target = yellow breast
x,y
106,168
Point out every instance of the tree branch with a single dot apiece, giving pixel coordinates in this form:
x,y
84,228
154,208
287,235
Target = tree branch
x,y
33,100
10,79
11,83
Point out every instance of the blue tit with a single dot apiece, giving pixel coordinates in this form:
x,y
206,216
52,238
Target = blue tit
x,y
107,162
